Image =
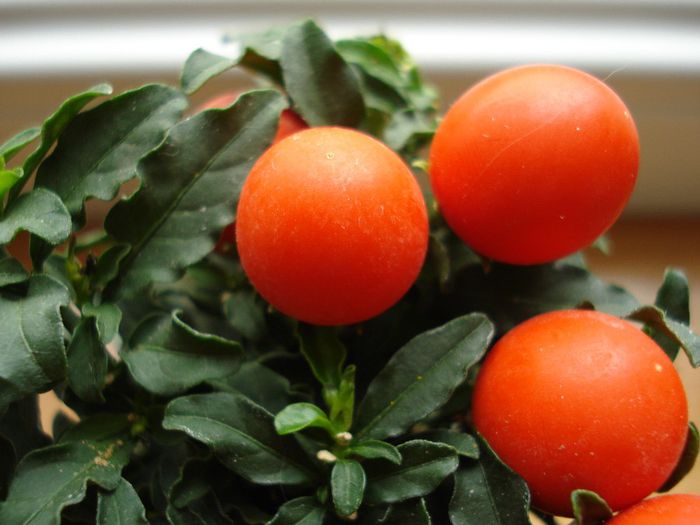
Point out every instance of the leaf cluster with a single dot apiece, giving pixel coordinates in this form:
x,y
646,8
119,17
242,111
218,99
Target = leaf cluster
x,y
196,402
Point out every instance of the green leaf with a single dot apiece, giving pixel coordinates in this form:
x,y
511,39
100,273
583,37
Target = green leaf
x,y
107,268
412,511
87,362
51,478
324,352
191,184
677,333
121,506
261,384
11,270
108,317
673,299
8,178
299,416
260,52
486,491
242,434
341,401
323,87
246,313
465,444
425,465
687,460
21,426
13,145
40,212
300,511
32,355
348,482
375,449
100,148
372,59
52,128
421,376
167,357
589,508
200,67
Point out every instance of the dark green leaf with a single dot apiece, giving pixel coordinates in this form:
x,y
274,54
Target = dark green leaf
x,y
32,355
406,126
465,444
348,482
422,375
11,270
246,313
687,460
242,434
168,357
107,268
52,128
260,52
425,465
200,67
486,491
87,362
13,145
191,185
108,317
372,59
49,479
261,384
324,352
375,449
122,506
673,298
412,511
99,150
7,465
299,416
589,508
323,87
676,332
40,212
300,511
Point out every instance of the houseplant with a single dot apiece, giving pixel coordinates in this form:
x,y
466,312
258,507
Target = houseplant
x,y
198,401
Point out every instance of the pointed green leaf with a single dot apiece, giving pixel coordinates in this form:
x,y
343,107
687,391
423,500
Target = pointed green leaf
x,y
465,444
673,298
87,362
99,150
412,511
299,416
51,478
242,434
202,66
348,482
300,511
52,128
421,376
323,87
589,508
687,460
486,491
32,355
40,212
11,270
122,506
324,352
425,465
167,357
191,185
13,145
8,178
108,317
375,449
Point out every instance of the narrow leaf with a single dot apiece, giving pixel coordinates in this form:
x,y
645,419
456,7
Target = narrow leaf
x,y
122,506
425,465
300,511
40,212
167,357
299,416
465,444
486,491
8,178
589,508
32,355
422,375
673,299
323,87
200,67
375,449
324,352
52,128
242,434
687,460
87,362
100,148
191,185
12,146
348,482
